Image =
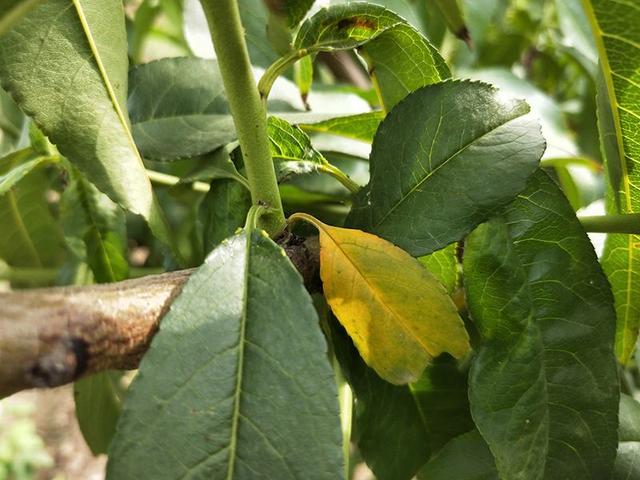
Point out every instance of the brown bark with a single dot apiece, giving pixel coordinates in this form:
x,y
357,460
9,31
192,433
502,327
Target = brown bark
x,y
53,336
49,337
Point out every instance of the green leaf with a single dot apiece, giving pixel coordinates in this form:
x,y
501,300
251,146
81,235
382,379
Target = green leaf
x,y
98,405
66,66
293,10
223,210
544,378
466,457
629,418
443,265
30,236
179,108
12,11
400,59
627,465
25,161
618,41
291,149
95,230
359,127
433,157
454,18
397,428
217,165
237,382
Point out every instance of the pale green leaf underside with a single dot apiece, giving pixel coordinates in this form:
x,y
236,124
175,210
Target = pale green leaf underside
x,y
615,24
237,383
544,379
12,11
66,65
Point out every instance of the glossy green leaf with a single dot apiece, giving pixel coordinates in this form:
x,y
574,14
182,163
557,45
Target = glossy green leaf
x,y
466,457
398,428
434,156
544,379
254,397
66,66
618,41
223,210
400,59
12,11
98,400
627,465
359,127
30,235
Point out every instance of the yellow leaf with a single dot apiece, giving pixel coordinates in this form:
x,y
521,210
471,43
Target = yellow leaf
x,y
398,315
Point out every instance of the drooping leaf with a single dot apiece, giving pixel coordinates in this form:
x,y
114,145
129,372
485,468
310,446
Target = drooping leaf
x,y
359,127
223,210
466,457
95,230
98,404
30,235
237,383
434,157
398,428
12,11
451,11
544,378
217,165
618,41
397,314
400,59
66,66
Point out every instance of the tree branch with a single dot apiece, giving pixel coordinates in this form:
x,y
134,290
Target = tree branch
x,y
53,336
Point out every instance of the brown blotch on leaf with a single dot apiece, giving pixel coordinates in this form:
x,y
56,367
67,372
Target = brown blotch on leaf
x,y
356,22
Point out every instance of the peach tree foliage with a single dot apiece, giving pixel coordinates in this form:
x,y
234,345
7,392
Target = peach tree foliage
x,y
462,325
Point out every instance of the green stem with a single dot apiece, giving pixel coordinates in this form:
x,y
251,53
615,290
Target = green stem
x,y
249,114
339,175
625,223
160,178
276,69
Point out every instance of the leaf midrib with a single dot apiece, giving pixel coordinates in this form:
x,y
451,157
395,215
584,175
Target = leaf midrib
x,y
404,197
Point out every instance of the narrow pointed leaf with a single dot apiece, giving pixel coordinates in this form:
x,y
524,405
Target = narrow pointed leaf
x,y
434,157
66,66
400,59
27,161
397,314
11,123
237,383
618,41
544,378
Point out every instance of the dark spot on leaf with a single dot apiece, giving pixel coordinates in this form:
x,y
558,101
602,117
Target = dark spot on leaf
x,y
356,22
